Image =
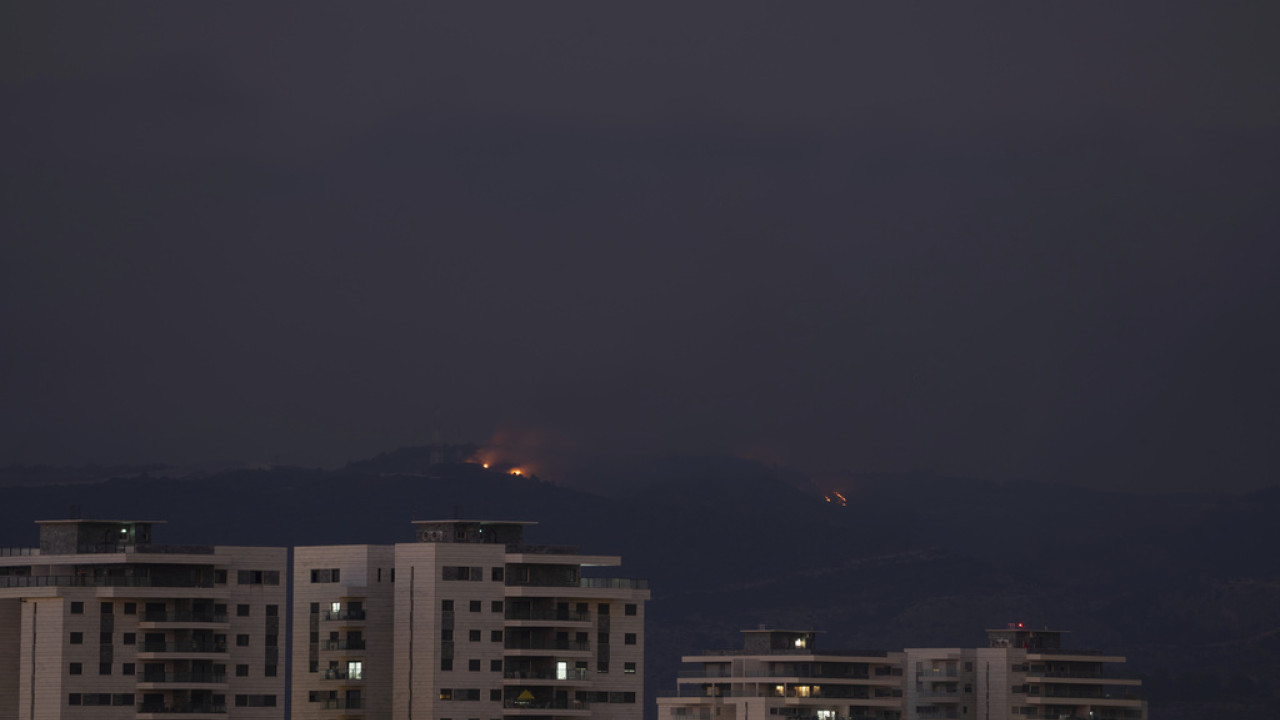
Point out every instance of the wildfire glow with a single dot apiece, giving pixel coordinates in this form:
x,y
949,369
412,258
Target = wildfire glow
x,y
517,471
484,465
839,499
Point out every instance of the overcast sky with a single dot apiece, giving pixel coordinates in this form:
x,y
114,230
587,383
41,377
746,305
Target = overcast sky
x,y
1029,241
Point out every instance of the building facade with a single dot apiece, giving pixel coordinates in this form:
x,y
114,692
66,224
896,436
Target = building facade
x,y
99,623
783,675
466,623
1021,674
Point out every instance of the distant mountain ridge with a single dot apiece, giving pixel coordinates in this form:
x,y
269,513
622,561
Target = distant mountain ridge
x,y
1187,586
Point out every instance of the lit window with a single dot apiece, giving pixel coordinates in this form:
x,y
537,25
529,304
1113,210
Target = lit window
x,y
355,669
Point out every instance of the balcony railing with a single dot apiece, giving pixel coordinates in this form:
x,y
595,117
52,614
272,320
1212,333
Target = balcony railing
x,y
11,581
344,615
548,704
184,677
184,647
176,617
560,615
523,644
572,674
340,703
182,708
18,551
342,675
614,583
342,645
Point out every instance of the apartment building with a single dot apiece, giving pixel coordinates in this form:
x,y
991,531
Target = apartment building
x,y
98,622
466,623
783,675
1021,674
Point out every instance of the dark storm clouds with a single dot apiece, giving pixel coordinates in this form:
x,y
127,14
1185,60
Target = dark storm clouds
x,y
1027,242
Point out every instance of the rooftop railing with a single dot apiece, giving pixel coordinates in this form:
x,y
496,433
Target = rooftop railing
x,y
10,581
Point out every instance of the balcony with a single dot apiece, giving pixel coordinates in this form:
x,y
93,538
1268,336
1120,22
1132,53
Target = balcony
x,y
572,674
185,678
539,707
182,709
548,615
183,648
340,704
530,644
343,675
342,645
186,618
357,615
29,581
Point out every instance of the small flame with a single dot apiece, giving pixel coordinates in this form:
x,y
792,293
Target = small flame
x,y
517,471
484,465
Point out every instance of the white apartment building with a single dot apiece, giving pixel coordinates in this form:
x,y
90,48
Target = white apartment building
x,y
467,623
783,675
1021,674
99,623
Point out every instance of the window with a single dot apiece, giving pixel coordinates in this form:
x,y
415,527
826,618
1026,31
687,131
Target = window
x,y
459,572
76,669
446,635
273,611
473,635
261,577
495,695
629,639
107,608
446,693
129,638
622,697
313,666
497,574
315,637
476,605
495,606
580,638
446,663
128,669
104,668
77,638
602,638
355,669
242,671
602,667
602,609
379,574
242,640
131,608
273,640
220,577
495,666
73,699
77,608
629,609
629,668
446,605
242,611
327,575
473,665
104,638
495,636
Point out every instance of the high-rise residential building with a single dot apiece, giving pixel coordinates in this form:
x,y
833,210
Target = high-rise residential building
x,y
1021,674
783,675
466,623
99,623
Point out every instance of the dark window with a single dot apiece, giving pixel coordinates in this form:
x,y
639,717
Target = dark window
x,y
580,638
495,695
129,638
242,611
75,668
104,668
446,635
315,608
314,666
379,574
104,638
473,665
77,608
446,663
495,666
273,611
446,605
242,640
473,635
73,699
497,574
629,609
629,668
629,639
315,637
602,638
476,606
602,667
77,638
495,606
107,608
220,577
131,608
602,609
273,640
270,671
495,636
128,669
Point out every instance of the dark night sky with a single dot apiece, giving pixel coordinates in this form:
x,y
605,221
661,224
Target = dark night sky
x,y
1031,241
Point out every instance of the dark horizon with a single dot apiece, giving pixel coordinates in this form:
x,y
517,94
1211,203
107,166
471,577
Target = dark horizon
x,y
1029,243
